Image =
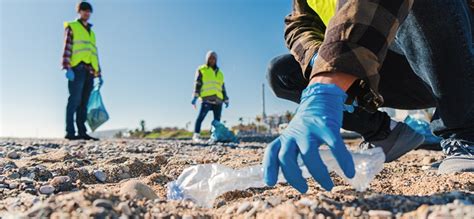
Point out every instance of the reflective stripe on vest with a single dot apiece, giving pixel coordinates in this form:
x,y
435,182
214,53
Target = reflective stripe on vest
x,y
83,45
326,9
211,82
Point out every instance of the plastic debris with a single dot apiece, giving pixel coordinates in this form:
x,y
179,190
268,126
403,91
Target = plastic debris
x,y
96,113
220,133
203,183
422,127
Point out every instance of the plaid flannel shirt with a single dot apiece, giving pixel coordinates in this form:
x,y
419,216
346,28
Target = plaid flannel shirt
x,y
355,41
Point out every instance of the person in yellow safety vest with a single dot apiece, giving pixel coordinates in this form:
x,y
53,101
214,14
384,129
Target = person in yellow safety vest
x,y
209,87
350,57
81,66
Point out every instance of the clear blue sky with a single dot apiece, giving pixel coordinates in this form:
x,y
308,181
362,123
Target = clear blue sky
x,y
149,51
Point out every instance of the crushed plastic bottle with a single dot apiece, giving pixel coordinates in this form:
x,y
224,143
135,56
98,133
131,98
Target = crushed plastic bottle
x,y
203,183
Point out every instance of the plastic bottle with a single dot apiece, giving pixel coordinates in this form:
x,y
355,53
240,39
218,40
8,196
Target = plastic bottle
x,y
203,183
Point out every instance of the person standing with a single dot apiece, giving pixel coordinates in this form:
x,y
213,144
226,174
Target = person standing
x,y
81,66
209,87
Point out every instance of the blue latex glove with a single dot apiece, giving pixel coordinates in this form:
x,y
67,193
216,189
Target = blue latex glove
x,y
70,74
226,104
317,121
193,102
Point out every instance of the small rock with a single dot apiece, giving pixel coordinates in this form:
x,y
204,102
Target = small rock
x,y
100,175
304,202
62,183
46,189
26,180
13,185
30,191
187,216
104,203
137,189
161,160
425,167
380,214
230,210
2,179
4,186
13,155
243,207
274,201
124,208
428,160
14,175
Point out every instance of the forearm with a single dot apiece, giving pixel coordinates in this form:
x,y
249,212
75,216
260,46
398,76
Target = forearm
x,y
304,34
342,80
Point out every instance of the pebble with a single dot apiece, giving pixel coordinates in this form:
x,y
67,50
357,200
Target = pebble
x,y
124,208
274,201
230,209
13,155
104,203
305,202
137,189
2,179
62,183
30,191
428,160
14,175
243,207
26,180
13,185
4,186
46,189
380,214
100,175
425,167
187,216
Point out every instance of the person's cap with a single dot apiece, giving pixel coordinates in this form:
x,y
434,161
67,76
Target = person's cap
x,y
84,6
209,54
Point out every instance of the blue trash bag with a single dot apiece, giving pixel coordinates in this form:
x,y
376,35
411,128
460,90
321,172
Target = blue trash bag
x,y
422,127
220,133
96,113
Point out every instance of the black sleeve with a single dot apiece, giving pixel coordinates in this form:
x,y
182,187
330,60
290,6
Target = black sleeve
x,y
197,84
224,92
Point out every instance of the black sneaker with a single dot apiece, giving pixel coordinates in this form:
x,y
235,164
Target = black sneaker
x,y
71,137
459,156
87,138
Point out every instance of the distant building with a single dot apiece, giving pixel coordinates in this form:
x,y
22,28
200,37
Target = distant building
x,y
109,134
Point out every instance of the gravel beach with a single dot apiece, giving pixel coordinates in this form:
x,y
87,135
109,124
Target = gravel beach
x,y
122,178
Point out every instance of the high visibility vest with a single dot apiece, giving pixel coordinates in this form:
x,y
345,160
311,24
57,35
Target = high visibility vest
x,y
211,82
83,45
326,9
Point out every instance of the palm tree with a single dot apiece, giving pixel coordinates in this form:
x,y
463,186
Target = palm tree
x,y
142,125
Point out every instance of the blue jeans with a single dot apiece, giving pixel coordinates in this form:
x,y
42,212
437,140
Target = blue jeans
x,y
205,108
79,93
430,64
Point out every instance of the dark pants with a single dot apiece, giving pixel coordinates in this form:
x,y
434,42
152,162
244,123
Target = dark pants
x,y
205,108
79,93
430,64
